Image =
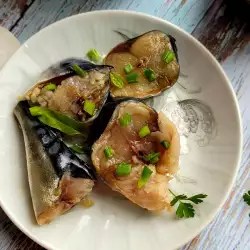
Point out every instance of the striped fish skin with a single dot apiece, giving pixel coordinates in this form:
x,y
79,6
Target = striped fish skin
x,y
58,179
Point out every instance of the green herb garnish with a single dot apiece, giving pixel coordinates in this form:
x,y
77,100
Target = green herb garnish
x,y
93,55
78,149
116,80
50,86
79,71
51,122
152,158
246,197
128,68
165,144
144,131
89,107
184,209
64,123
149,74
123,169
125,120
132,78
109,152
168,56
145,175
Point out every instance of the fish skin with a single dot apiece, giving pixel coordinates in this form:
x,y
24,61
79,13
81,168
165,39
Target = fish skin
x,y
65,67
53,169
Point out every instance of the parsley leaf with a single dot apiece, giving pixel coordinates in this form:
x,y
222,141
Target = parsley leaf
x,y
180,210
186,210
246,197
177,198
197,198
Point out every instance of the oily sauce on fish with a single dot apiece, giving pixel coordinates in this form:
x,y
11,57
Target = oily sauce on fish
x,y
128,147
142,52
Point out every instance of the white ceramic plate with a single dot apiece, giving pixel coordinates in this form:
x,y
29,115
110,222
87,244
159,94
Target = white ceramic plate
x,y
8,45
202,105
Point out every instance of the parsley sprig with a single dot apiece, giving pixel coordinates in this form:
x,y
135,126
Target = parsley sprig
x,y
186,209
246,197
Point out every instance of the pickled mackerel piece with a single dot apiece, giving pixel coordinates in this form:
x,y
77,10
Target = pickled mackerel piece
x,y
73,87
137,154
148,65
58,179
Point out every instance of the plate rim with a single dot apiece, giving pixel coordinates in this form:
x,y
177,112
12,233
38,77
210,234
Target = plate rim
x,y
208,54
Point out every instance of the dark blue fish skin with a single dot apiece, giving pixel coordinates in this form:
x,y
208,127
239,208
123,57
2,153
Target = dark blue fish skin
x,y
65,67
86,65
63,159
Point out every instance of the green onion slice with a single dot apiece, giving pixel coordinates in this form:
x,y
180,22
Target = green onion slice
x,y
89,107
78,149
152,157
132,78
109,152
62,122
123,169
125,120
50,121
128,68
149,74
144,131
50,86
116,79
168,56
93,55
165,144
79,71
146,173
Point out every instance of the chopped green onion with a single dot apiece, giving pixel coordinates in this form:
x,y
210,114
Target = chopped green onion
x,y
93,55
165,144
50,86
37,111
116,79
146,173
64,123
123,169
144,131
152,158
132,78
49,120
79,71
109,152
89,107
58,121
128,68
149,74
125,120
78,149
168,56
